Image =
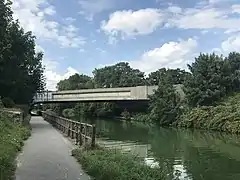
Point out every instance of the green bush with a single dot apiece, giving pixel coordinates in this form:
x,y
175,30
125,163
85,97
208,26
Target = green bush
x,y
223,117
126,115
12,138
112,165
68,113
8,102
141,117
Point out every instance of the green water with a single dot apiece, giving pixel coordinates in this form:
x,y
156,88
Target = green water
x,y
185,154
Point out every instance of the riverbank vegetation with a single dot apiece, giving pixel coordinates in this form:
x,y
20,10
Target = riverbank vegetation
x,y
21,76
223,117
12,138
105,164
181,95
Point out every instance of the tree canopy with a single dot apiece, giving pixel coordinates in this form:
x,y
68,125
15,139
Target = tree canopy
x,y
212,77
172,76
21,70
118,75
76,81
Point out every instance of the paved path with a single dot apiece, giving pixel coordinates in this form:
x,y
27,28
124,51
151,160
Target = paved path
x,y
47,156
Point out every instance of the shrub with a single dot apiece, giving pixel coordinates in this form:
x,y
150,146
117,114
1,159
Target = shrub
x,y
126,115
223,117
141,117
12,137
68,113
8,102
105,164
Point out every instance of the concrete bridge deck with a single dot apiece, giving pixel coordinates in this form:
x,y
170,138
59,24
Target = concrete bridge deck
x,y
139,93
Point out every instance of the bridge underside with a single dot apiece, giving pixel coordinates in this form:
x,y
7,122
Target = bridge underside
x,y
91,101
129,105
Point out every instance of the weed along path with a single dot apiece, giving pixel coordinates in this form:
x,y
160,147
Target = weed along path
x,y
47,156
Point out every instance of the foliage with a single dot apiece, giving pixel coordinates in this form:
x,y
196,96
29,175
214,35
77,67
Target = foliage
x,y
141,117
113,165
76,82
118,75
172,76
223,117
126,115
12,137
21,71
69,113
8,102
165,104
212,77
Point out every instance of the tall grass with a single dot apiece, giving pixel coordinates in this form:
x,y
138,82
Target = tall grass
x,y
105,164
12,138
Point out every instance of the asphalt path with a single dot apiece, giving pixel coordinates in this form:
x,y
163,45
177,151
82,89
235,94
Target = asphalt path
x,y
47,156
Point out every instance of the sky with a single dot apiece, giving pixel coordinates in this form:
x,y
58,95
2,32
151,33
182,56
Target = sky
x,y
78,36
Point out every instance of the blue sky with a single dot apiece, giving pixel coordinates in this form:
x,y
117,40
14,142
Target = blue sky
x,y
77,36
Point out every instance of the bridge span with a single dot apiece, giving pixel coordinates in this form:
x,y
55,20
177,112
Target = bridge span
x,y
138,93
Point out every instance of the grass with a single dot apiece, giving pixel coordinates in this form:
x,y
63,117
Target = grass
x,y
12,138
105,164
223,117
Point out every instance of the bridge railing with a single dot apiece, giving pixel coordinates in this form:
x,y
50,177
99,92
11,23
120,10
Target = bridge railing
x,y
82,133
43,96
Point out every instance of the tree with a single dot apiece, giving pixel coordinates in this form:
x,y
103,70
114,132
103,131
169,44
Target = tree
x,y
76,81
164,104
172,76
234,61
21,71
118,75
210,80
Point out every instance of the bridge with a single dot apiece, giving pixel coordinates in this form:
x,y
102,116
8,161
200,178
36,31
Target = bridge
x,y
138,93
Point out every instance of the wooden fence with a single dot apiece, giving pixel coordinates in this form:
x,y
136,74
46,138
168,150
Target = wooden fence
x,y
83,133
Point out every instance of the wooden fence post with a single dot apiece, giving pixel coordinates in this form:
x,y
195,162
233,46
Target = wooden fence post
x,y
93,135
77,135
72,135
69,130
64,126
80,135
85,134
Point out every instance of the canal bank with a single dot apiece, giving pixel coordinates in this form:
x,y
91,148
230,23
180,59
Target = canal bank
x,y
185,153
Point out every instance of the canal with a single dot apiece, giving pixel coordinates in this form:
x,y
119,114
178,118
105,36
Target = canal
x,y
185,154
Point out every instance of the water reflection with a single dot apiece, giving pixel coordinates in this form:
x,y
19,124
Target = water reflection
x,y
186,154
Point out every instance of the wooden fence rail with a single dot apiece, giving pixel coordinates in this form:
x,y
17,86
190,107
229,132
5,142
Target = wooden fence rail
x,y
83,133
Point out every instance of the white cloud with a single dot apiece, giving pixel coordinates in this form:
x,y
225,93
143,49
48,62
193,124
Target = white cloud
x,y
50,72
236,8
205,18
219,1
70,19
170,55
204,31
174,9
231,44
32,18
132,23
92,7
50,10
52,76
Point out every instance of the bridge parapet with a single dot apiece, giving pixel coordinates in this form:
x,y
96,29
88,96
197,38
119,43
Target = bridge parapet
x,y
103,94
